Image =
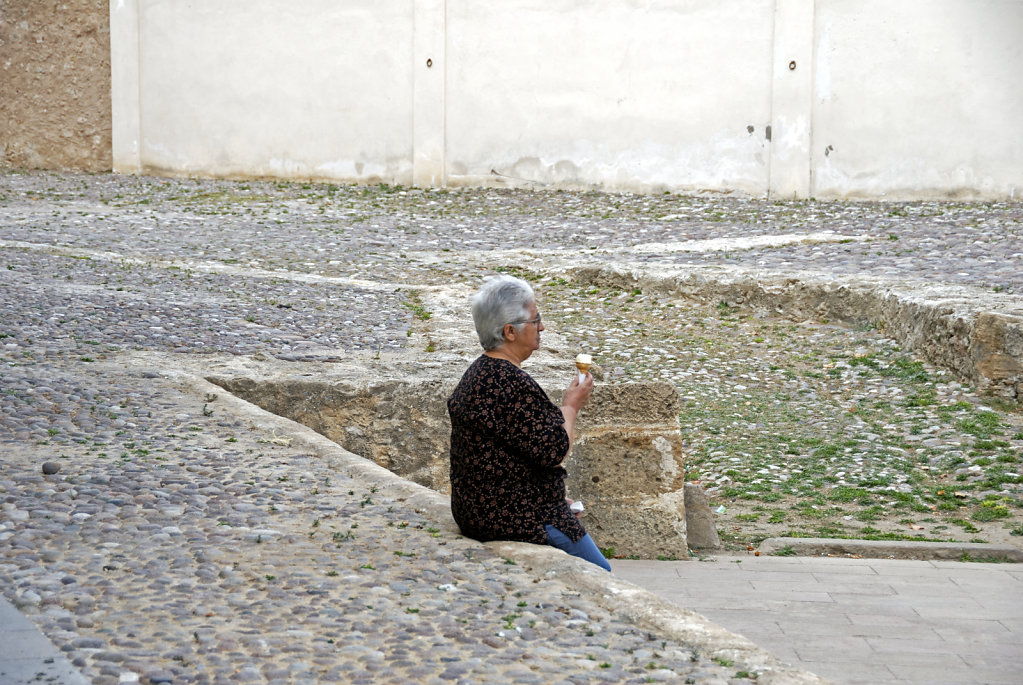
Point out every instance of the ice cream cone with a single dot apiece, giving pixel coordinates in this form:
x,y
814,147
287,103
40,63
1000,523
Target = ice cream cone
x,y
583,362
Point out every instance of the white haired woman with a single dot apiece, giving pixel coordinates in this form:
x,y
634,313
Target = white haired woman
x,y
507,438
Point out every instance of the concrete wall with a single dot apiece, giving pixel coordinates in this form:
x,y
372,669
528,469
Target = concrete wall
x,y
792,98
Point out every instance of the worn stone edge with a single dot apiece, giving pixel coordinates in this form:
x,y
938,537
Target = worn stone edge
x,y
957,317
625,600
892,549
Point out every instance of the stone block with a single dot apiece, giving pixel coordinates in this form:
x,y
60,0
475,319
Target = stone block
x,y
626,466
701,531
632,404
650,527
997,354
626,463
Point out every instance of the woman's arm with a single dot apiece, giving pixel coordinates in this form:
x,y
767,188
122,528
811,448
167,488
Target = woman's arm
x,y
576,397
530,424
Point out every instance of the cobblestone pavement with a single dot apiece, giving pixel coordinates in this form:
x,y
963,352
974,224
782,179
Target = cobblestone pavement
x,y
184,548
178,544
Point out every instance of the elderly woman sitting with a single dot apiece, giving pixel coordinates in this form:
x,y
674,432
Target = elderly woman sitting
x,y
507,438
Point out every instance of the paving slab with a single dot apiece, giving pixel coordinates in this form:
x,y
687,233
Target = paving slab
x,y
884,621
27,657
939,675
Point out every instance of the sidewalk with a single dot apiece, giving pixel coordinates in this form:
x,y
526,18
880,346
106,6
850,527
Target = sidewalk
x,y
26,656
858,620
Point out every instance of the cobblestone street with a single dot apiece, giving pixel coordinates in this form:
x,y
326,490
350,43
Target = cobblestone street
x,y
182,542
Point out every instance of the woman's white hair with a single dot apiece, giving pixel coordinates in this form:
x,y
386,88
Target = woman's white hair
x,y
501,301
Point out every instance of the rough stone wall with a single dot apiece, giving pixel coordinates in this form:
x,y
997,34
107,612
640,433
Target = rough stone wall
x,y
55,84
400,426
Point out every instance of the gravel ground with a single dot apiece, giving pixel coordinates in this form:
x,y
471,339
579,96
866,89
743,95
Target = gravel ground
x,y
177,545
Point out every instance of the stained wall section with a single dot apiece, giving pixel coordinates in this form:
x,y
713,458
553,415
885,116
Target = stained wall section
x,y
619,94
917,99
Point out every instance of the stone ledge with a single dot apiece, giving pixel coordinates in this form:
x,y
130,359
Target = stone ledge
x,y
976,335
885,549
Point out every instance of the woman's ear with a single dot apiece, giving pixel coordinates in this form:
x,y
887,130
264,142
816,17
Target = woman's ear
x,y
509,332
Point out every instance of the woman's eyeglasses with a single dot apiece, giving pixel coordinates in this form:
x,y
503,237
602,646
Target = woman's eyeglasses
x,y
536,321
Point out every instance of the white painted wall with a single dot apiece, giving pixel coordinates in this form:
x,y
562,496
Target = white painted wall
x,y
610,94
918,99
297,89
864,98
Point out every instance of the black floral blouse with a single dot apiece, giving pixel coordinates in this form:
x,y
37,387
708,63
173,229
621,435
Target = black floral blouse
x,y
507,444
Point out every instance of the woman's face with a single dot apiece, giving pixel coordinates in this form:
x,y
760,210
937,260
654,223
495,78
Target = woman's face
x,y
527,340
531,329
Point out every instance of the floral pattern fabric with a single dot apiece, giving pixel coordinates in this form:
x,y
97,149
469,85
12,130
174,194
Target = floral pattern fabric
x,y
507,444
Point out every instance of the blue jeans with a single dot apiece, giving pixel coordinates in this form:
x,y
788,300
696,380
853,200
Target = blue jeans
x,y
584,549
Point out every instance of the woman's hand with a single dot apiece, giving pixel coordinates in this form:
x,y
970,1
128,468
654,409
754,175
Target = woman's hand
x,y
569,501
578,394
